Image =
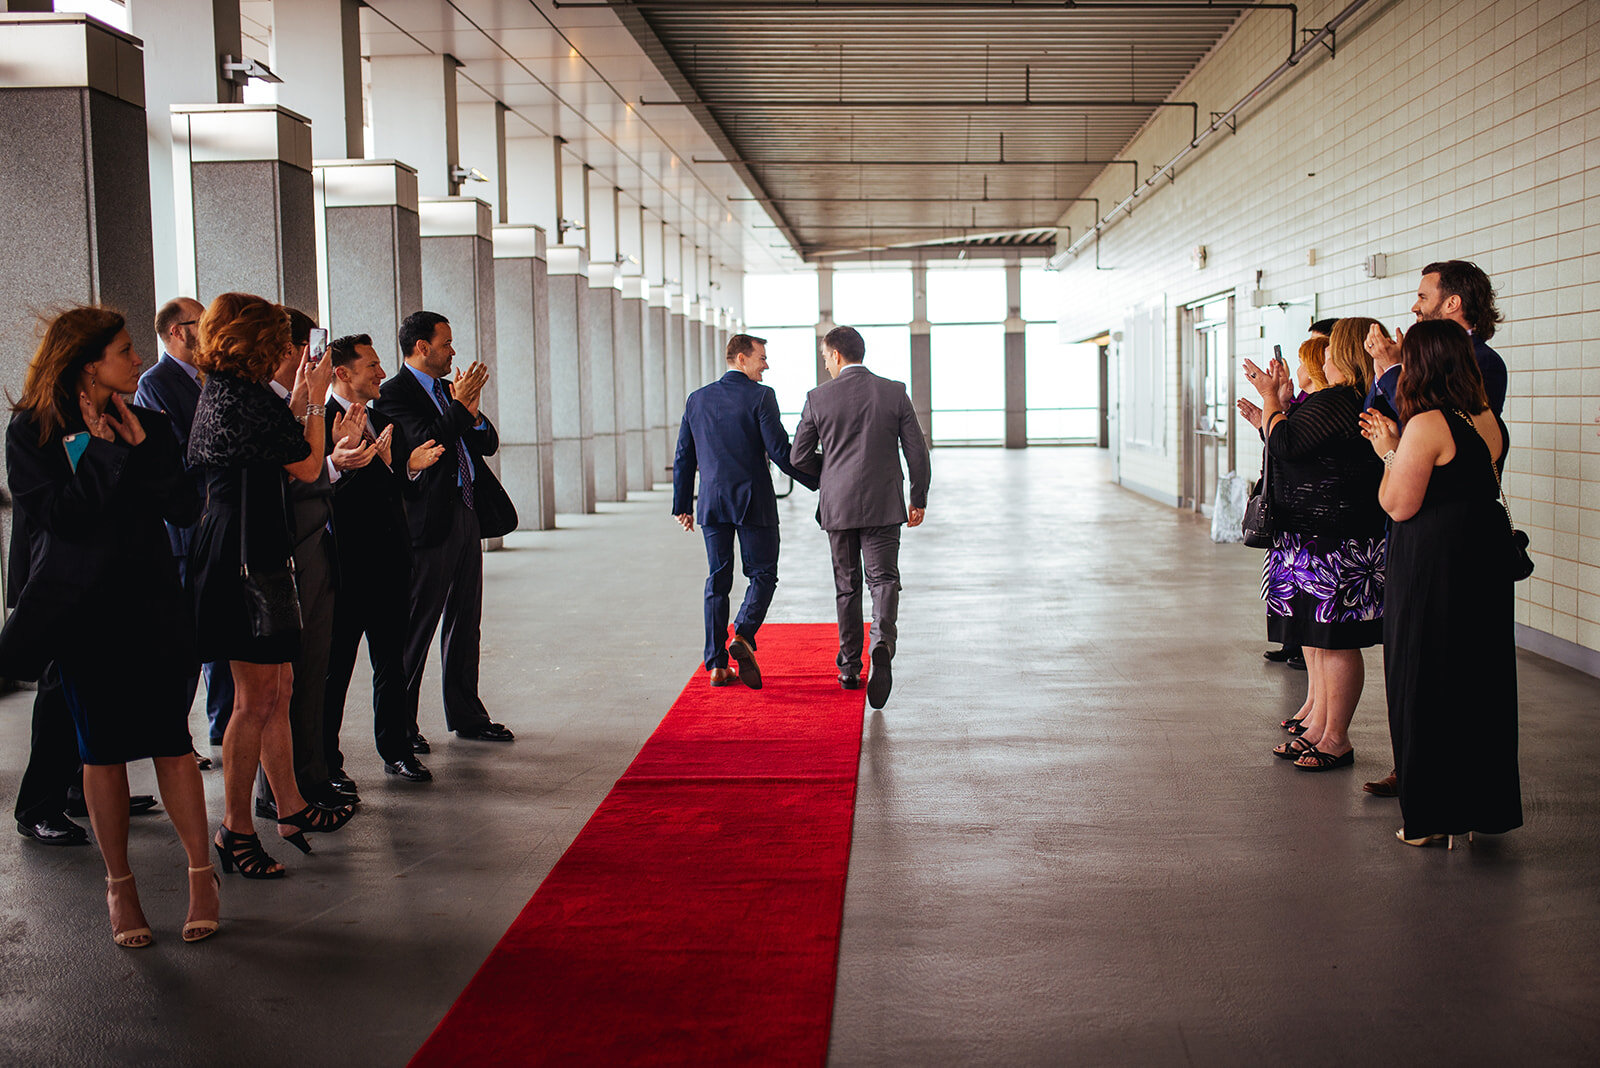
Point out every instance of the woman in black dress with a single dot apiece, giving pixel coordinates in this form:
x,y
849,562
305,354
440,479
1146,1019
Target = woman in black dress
x,y
1323,577
94,478
1448,641
247,440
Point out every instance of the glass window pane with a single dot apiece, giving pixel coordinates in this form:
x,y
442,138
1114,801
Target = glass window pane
x,y
1063,383
969,386
966,295
791,367
1042,294
889,352
880,296
780,299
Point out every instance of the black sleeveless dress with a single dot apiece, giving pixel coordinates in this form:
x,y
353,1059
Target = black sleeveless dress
x,y
1449,651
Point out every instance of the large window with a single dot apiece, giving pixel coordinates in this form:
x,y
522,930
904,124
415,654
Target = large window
x,y
783,309
879,296
969,384
1063,384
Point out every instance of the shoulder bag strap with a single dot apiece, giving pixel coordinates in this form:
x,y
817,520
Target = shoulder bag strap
x,y
1495,470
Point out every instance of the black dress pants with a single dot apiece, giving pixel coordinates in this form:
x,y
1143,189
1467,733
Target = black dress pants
x,y
373,603
315,578
447,581
52,758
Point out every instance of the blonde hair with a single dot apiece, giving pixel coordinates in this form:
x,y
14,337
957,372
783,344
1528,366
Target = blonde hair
x,y
1347,350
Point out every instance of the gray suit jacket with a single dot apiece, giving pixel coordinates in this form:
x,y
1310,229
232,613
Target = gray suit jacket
x,y
861,423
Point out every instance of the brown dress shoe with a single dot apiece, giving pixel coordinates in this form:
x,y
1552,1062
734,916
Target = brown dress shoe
x,y
723,677
744,654
1385,787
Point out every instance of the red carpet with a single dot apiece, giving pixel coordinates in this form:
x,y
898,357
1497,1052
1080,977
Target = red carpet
x,y
695,919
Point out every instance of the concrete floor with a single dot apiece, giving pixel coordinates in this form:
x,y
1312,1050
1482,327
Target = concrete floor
x,y
1072,845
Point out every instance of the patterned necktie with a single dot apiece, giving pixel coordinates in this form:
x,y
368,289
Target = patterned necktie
x,y
463,464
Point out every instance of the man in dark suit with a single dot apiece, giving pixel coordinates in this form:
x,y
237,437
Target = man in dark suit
x,y
459,495
729,429
860,423
172,385
374,561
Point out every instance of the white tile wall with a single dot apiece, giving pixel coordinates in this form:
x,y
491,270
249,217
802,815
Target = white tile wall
x,y
1441,129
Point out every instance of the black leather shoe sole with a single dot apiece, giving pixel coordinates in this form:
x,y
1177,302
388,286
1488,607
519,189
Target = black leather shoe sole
x,y
881,681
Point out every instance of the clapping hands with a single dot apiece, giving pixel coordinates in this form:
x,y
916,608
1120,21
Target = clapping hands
x,y
468,386
350,450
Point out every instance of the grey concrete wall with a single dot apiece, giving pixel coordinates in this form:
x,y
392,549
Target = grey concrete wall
x,y
675,393
654,379
1016,372
921,384
374,273
458,283
605,408
255,231
571,422
694,367
522,340
630,373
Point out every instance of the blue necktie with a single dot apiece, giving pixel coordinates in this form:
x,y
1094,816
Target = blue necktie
x,y
463,463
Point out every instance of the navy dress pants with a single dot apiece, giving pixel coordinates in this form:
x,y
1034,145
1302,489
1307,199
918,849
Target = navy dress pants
x,y
758,550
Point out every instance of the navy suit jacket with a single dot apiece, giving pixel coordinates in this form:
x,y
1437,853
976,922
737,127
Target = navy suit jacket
x,y
1382,394
167,387
1493,369
729,429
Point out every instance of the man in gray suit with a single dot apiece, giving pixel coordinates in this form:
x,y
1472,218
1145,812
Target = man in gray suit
x,y
860,423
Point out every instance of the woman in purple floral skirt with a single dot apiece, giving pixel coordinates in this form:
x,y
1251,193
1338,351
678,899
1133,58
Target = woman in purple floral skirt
x,y
1323,577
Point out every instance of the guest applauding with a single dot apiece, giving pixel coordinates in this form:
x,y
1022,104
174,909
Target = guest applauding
x,y
247,439
1447,627
1323,582
94,478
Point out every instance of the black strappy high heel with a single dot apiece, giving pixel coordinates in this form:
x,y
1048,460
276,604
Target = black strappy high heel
x,y
244,852
315,819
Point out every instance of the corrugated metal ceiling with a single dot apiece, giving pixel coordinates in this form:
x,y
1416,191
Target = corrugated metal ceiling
x,y
876,124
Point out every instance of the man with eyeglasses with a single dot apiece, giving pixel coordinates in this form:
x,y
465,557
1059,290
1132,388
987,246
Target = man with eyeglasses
x,y
172,385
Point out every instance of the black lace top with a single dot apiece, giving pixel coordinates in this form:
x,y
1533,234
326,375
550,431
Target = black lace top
x,y
238,422
1324,476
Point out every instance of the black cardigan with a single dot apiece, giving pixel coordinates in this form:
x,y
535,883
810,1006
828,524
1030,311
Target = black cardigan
x,y
1324,476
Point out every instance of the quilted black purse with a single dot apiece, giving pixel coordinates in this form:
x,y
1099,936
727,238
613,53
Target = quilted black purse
x,y
272,602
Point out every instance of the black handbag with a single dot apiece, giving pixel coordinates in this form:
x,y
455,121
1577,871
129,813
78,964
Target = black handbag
x,y
1257,526
1518,563
272,603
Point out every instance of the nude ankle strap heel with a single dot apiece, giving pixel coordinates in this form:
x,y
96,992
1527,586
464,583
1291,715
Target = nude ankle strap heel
x,y
137,938
199,930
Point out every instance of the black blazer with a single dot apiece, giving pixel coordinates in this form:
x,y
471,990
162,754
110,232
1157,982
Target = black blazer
x,y
404,402
167,388
92,569
369,512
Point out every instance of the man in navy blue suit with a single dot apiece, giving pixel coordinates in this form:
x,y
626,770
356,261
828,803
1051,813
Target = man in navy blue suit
x,y
729,430
172,385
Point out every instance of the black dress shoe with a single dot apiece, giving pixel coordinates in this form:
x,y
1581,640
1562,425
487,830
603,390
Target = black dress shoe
x,y
1282,653
343,783
487,732
410,769
850,682
1297,662
419,744
54,829
266,810
881,680
138,804
202,761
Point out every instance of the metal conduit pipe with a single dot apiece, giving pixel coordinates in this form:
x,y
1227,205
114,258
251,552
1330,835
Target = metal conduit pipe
x,y
1220,122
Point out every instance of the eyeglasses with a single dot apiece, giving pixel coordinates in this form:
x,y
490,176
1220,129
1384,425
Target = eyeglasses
x,y
189,322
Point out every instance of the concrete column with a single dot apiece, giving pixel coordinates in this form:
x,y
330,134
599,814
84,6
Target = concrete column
x,y
694,364
825,321
571,422
677,393
660,428
246,210
630,374
530,182
522,340
74,179
1016,366
921,384
414,117
369,260
458,283
316,50
482,132
573,201
184,42
605,392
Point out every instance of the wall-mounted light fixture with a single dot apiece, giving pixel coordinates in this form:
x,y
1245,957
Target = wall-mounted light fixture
x,y
461,175
1197,257
240,71
563,226
1376,265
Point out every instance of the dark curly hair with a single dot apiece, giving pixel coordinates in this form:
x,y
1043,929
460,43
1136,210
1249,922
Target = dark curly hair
x,y
243,334
1464,279
1438,370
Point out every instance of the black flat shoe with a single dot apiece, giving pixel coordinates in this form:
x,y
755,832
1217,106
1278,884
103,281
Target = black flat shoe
x,y
881,680
419,744
54,829
408,768
1321,761
487,732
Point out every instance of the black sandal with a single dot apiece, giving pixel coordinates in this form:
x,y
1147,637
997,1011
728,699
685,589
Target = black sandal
x,y
1293,749
244,851
315,819
1322,761
1292,722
